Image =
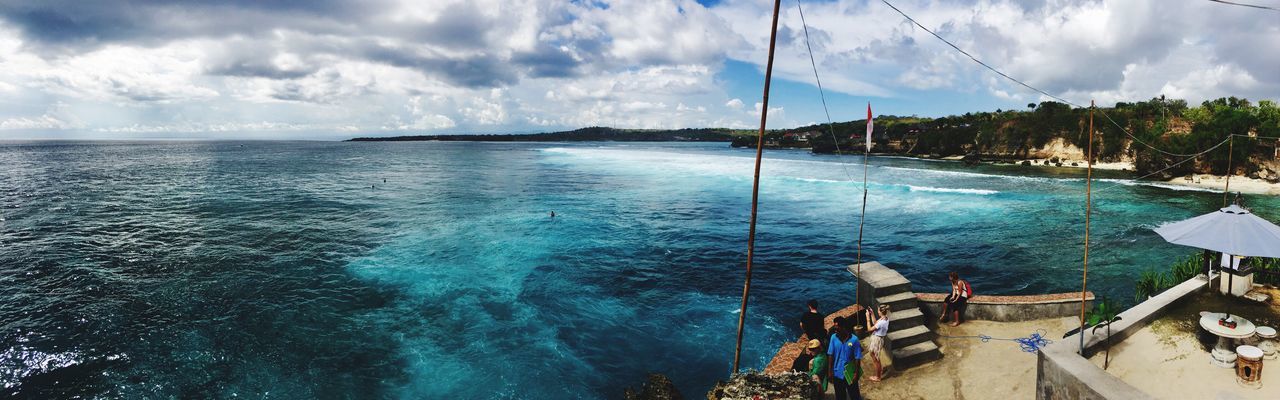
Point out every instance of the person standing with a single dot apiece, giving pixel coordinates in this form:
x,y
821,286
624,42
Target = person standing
x,y
957,300
845,361
875,345
811,323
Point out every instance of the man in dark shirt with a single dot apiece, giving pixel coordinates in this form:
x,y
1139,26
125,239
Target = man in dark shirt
x,y
811,323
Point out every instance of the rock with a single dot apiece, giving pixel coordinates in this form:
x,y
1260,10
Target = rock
x,y
1057,164
1075,164
1056,160
658,387
971,159
1026,162
754,385
1046,162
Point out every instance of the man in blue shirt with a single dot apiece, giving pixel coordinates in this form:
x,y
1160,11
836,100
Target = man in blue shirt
x,y
846,361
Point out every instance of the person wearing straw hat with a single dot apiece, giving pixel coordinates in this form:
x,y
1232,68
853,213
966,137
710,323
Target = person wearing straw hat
x,y
818,365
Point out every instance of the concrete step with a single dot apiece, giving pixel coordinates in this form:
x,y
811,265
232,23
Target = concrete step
x,y
906,337
899,302
885,280
914,355
909,318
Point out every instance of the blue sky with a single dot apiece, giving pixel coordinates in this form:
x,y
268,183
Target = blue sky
x,y
329,69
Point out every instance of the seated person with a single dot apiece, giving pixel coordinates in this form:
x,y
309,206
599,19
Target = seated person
x,y
956,300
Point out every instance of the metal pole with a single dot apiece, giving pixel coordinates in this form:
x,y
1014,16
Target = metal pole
x,y
755,186
1088,208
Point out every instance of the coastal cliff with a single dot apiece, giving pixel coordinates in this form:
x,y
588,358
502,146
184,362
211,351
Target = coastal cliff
x,y
1054,133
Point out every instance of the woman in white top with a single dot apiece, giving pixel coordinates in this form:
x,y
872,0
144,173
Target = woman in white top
x,y
875,345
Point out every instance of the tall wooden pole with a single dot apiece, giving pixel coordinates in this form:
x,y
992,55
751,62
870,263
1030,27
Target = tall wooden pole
x,y
1226,190
755,186
1088,209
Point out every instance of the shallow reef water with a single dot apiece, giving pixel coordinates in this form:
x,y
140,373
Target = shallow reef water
x,y
435,270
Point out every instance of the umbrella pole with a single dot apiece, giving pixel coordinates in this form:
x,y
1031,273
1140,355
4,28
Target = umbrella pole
x,y
755,187
1231,277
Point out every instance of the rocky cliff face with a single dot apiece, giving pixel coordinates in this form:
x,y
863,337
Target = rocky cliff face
x,y
1266,169
657,387
755,385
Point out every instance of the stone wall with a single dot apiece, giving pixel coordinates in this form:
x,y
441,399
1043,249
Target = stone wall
x,y
1009,308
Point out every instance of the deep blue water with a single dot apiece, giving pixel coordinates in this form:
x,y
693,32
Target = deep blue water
x,y
291,270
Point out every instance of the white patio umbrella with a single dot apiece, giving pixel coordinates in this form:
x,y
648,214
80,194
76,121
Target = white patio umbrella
x,y
1230,230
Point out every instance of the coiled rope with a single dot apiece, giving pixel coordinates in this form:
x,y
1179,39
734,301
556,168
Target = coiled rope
x,y
1029,344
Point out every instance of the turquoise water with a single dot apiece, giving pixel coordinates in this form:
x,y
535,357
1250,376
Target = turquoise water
x,y
291,270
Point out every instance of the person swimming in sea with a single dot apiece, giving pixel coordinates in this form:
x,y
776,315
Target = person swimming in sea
x,y
553,214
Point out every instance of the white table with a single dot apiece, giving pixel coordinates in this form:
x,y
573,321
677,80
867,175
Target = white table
x,y
1222,355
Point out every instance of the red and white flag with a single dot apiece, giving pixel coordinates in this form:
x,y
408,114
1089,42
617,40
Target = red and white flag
x,y
870,126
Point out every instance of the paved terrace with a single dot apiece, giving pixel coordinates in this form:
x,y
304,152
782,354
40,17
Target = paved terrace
x,y
1167,360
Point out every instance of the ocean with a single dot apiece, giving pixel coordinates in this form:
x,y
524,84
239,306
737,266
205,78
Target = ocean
x,y
434,269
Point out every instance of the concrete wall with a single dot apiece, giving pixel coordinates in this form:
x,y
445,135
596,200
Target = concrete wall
x,y
1137,317
1062,373
1009,308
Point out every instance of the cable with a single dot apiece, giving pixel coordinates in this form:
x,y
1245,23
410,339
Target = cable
x,y
830,126
1024,84
1246,5
1256,137
839,154
1170,166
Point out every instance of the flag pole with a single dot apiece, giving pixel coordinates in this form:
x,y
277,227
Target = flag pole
x,y
865,154
755,186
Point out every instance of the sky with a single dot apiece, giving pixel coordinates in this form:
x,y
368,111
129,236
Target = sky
x,y
326,69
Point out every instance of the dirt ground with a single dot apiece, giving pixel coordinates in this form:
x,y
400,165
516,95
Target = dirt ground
x,y
970,368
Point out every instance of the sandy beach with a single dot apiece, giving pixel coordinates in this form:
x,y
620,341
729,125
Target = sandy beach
x,y
1238,184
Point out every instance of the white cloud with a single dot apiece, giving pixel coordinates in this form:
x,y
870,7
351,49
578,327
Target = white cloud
x,y
774,112
491,65
1076,48
55,117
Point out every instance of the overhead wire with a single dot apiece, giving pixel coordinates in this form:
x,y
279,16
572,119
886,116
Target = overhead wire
x,y
840,155
1245,5
830,126
1028,86
1193,157
1171,166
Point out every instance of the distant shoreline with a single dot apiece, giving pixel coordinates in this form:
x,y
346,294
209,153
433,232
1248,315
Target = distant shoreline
x,y
1239,183
592,134
1206,182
